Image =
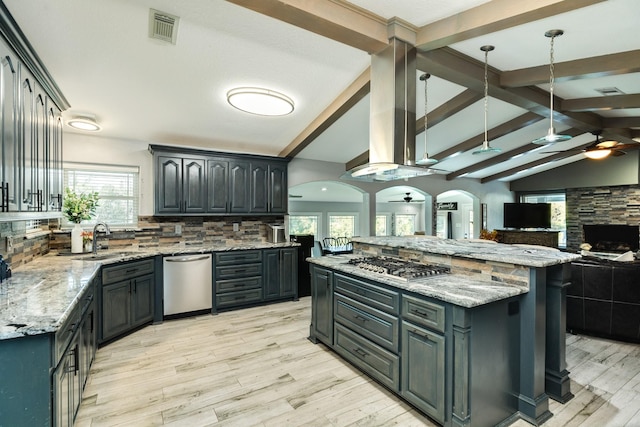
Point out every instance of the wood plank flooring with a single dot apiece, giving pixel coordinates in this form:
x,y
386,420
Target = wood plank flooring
x,y
255,367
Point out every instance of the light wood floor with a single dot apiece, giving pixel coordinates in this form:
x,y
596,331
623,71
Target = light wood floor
x,y
256,367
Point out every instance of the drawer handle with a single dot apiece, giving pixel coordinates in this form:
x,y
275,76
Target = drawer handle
x,y
360,318
185,259
360,352
419,313
422,335
361,292
240,297
131,270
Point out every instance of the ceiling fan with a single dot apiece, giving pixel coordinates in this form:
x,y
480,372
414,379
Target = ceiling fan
x,y
601,149
407,199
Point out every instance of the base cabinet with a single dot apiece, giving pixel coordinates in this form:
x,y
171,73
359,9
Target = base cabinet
x,y
280,273
127,297
321,328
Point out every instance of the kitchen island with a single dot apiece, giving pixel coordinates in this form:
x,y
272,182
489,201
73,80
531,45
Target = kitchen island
x,y
51,315
481,345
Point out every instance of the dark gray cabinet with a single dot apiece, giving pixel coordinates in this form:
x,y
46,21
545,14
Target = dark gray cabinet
x,y
207,182
127,297
321,328
280,273
181,185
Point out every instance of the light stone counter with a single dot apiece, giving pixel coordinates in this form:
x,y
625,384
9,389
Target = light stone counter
x,y
525,255
457,289
40,295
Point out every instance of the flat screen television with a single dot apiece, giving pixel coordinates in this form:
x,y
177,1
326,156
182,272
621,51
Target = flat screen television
x,y
527,215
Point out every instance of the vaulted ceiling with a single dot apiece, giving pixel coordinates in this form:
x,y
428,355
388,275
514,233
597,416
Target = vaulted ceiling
x,y
318,53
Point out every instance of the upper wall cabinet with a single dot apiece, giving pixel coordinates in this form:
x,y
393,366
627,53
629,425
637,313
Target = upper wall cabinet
x,y
200,182
30,129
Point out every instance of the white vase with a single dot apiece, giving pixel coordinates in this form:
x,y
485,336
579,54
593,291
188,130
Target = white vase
x,y
76,239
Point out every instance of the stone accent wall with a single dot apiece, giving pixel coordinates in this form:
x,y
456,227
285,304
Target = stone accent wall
x,y
600,205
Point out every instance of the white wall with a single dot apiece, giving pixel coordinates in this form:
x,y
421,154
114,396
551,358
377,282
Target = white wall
x,y
494,193
92,149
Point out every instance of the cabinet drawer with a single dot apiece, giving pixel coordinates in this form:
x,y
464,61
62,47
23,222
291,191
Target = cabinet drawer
x,y
378,326
376,296
64,334
233,285
238,271
238,298
126,271
368,356
238,257
423,313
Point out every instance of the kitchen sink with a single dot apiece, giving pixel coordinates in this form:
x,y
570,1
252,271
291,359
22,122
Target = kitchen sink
x,y
105,255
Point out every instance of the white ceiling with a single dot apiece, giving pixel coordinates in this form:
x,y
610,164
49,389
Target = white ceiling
x,y
100,55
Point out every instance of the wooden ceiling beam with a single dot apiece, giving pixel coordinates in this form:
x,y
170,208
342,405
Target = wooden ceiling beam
x,y
512,125
621,122
343,103
597,66
490,17
600,103
468,72
448,109
504,156
336,20
548,159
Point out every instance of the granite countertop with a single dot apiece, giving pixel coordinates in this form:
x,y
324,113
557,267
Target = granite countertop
x,y
526,255
41,294
457,289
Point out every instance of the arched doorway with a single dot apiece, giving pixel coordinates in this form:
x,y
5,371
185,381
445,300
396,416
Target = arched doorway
x,y
403,210
457,215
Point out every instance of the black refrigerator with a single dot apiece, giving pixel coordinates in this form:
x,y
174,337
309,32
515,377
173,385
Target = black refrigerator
x,y
304,251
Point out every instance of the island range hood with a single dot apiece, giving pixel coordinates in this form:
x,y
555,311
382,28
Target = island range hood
x,y
392,124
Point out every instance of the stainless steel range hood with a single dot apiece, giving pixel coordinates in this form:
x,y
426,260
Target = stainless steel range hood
x,y
392,125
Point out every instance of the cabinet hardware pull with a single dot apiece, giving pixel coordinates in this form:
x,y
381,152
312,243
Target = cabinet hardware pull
x,y
240,297
76,360
362,319
419,312
132,270
186,259
361,292
422,335
360,352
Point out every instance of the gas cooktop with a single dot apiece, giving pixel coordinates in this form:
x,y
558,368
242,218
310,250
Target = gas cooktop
x,y
398,268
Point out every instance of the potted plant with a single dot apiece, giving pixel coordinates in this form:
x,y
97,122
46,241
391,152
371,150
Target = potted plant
x,y
77,208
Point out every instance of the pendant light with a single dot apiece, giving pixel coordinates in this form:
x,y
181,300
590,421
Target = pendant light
x,y
551,137
425,160
486,149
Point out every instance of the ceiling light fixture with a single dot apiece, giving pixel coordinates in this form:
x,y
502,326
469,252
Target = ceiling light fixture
x,y
84,122
599,149
262,102
598,153
486,149
551,137
425,160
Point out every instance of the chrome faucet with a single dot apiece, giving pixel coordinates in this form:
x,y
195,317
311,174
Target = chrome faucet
x,y
95,236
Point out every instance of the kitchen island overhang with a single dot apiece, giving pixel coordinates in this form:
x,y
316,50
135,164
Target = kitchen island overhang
x,y
503,338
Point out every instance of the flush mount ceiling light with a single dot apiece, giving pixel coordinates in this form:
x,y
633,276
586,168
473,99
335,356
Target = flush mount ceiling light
x,y
263,102
551,137
425,160
486,149
85,122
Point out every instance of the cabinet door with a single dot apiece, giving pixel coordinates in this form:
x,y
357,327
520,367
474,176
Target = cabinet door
x,y
289,272
9,88
271,273
142,299
40,151
27,108
89,342
238,186
259,187
63,378
217,185
55,163
322,305
116,309
278,196
423,369
194,183
169,184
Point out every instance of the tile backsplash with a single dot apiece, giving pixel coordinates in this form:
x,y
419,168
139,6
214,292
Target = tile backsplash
x,y
151,232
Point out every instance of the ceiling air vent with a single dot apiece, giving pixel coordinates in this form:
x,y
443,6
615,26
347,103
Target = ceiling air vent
x,y
607,91
163,26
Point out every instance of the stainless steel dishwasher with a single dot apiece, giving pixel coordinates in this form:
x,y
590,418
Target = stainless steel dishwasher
x,y
187,283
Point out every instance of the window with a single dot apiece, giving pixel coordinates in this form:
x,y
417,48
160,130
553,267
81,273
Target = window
x,y
342,225
405,225
117,188
381,225
558,212
304,224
